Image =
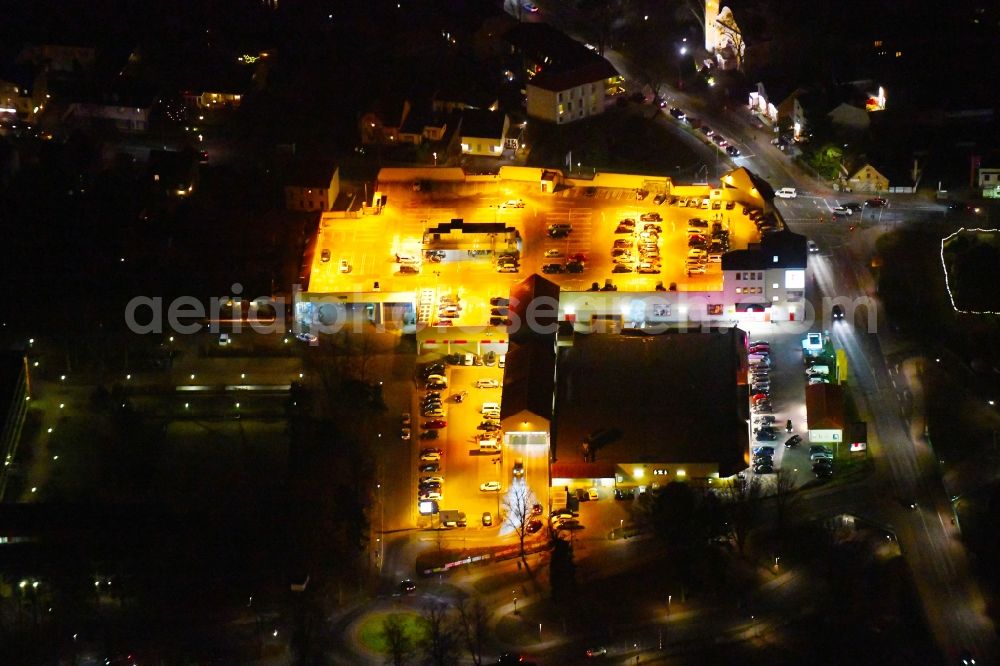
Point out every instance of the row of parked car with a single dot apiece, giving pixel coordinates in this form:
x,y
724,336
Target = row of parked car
x,y
640,251
717,139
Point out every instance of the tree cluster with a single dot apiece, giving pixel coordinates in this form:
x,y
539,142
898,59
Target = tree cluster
x,y
446,632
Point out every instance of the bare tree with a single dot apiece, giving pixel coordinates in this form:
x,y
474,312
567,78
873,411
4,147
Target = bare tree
x,y
474,623
397,641
784,495
440,643
743,503
518,503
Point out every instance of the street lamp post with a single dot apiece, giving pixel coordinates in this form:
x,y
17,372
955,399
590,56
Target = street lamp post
x,y
515,601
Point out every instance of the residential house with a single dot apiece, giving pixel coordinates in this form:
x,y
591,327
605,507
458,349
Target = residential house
x,y
989,183
124,110
868,179
483,132
312,186
564,80
571,94
849,117
775,100
212,77
431,126
381,125
792,114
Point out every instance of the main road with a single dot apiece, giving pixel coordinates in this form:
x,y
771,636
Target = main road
x,y
953,603
913,498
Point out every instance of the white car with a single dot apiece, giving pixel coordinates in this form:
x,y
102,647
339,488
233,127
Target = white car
x,y
551,254
811,245
695,253
431,457
489,486
344,266
404,434
512,203
433,495
487,383
786,193
432,479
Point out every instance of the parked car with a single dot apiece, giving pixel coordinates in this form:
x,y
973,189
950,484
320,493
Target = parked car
x,y
435,424
552,254
793,441
786,193
876,202
487,383
489,486
650,217
766,435
430,467
553,268
842,211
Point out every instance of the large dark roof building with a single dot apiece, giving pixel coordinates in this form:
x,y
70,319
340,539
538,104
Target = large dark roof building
x,y
667,404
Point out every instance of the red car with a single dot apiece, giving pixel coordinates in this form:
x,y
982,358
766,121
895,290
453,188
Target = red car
x,y
876,202
579,256
436,423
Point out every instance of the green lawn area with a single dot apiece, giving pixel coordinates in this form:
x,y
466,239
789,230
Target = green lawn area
x,y
371,635
972,265
621,139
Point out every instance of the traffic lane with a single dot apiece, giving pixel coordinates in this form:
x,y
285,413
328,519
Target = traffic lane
x,y
940,581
